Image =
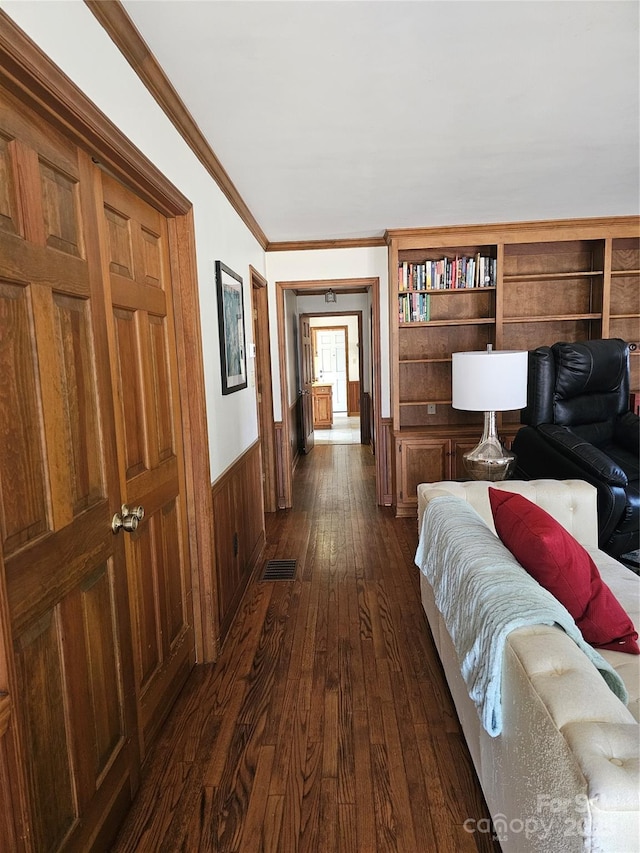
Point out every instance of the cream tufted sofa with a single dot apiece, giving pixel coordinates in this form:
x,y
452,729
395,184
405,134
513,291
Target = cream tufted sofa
x,y
563,776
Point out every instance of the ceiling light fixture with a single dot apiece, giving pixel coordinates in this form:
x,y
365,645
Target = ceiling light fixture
x,y
330,296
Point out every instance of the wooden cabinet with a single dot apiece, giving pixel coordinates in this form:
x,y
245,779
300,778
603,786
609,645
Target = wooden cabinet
x,y
429,456
514,286
417,459
322,396
425,458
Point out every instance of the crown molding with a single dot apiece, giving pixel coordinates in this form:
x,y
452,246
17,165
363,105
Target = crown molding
x,y
305,245
498,232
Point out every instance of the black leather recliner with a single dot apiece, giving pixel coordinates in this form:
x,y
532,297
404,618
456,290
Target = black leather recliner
x,y
580,427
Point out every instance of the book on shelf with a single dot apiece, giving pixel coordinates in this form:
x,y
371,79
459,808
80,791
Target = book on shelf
x,y
414,307
458,273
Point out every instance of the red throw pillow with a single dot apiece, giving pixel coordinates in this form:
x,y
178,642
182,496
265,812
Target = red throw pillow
x,y
559,563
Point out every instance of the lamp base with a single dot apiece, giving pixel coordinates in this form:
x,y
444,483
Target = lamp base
x,y
490,459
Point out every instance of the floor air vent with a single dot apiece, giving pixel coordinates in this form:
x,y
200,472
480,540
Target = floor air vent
x,y
279,570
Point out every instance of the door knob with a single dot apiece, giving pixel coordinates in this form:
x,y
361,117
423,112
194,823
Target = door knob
x,y
137,511
127,519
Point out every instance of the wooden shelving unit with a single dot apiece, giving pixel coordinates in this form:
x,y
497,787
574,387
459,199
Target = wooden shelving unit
x,y
623,303
557,284
564,280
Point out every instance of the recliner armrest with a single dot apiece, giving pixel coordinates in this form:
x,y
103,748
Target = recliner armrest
x,y
584,454
626,432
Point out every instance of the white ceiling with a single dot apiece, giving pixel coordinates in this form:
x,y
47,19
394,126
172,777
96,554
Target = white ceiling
x,y
339,119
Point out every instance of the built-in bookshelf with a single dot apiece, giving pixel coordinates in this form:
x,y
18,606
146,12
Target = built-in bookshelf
x,y
417,282
552,292
514,286
443,294
623,312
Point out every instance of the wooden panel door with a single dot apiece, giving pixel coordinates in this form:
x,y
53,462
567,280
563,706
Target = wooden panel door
x,y
150,453
306,380
71,679
264,391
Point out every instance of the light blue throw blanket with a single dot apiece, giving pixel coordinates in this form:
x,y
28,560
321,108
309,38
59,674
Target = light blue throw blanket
x,y
483,594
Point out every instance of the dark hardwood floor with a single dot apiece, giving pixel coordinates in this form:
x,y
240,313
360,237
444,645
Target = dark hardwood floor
x,y
326,724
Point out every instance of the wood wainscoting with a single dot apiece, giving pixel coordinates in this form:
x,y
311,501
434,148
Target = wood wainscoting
x,y
383,448
239,533
353,397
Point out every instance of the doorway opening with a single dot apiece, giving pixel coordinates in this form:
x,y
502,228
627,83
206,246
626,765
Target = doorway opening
x,y
337,371
302,361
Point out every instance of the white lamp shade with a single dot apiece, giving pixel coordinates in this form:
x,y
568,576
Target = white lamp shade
x,y
494,381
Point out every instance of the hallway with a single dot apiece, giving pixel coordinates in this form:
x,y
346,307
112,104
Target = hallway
x,y
345,430
326,724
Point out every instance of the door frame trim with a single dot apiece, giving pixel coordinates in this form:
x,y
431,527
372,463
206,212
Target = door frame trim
x,y
28,73
285,472
261,337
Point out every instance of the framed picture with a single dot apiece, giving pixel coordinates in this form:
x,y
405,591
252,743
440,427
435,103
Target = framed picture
x,y
233,360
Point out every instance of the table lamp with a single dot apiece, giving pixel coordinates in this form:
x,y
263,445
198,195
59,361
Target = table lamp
x,y
489,381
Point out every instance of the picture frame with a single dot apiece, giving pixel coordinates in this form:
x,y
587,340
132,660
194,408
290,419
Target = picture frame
x,y
233,356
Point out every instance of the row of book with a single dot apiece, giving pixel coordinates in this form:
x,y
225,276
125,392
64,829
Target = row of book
x,y
414,307
448,273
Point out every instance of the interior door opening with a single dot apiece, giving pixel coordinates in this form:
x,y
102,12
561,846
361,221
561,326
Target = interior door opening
x,y
297,303
337,369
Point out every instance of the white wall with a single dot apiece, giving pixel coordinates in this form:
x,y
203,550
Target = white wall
x,y
322,264
70,35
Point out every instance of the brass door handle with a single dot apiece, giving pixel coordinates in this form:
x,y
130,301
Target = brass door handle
x,y
127,519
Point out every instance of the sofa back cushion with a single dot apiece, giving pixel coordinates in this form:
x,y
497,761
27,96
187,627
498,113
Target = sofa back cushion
x,y
571,502
559,563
